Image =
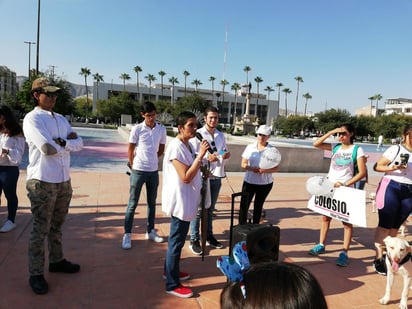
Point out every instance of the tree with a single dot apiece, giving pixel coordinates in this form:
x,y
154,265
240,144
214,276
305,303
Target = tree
x,y
196,83
161,74
224,82
298,80
195,103
258,80
269,90
371,99
307,96
97,78
150,78
286,91
173,80
247,69
137,69
124,77
279,85
378,97
235,87
212,80
186,74
86,72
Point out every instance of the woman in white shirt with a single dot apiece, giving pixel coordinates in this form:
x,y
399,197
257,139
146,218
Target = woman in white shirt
x,y
341,173
12,148
181,197
394,193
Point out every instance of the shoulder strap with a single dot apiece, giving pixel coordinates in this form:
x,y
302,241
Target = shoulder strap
x,y
336,148
355,154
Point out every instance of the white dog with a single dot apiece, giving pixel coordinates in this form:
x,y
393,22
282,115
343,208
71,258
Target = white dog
x,y
398,252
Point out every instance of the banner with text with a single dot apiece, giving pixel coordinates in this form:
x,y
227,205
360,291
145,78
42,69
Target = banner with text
x,y
346,204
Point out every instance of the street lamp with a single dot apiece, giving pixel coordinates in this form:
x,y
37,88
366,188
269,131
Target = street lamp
x,y
38,37
30,44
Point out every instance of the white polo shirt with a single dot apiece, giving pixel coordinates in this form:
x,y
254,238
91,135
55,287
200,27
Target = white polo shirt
x,y
147,142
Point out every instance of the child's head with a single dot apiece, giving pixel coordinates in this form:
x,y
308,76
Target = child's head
x,y
274,285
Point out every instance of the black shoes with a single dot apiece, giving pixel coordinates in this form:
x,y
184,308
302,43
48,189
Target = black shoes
x,y
212,241
38,284
380,266
64,266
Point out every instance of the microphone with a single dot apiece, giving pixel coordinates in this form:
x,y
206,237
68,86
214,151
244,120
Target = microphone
x,y
200,138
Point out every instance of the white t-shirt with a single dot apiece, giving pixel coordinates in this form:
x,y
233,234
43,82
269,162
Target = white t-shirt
x,y
253,155
219,142
393,154
147,142
341,164
15,145
179,199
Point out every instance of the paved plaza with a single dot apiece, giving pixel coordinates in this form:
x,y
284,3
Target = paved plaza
x,y
111,277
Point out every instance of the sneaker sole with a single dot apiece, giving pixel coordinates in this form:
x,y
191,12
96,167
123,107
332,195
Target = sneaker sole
x,y
315,254
194,252
217,247
180,295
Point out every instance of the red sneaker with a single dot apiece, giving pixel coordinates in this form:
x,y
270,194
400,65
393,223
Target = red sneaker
x,y
181,291
182,276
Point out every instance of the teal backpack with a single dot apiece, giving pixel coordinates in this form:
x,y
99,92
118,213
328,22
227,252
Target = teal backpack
x,y
354,156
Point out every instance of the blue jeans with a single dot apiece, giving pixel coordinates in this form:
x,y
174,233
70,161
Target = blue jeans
x,y
137,179
215,185
8,184
177,237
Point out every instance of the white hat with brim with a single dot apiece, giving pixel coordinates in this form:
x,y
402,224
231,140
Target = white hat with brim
x,y
264,129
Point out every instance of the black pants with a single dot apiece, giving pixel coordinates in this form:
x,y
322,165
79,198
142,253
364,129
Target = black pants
x,y
260,192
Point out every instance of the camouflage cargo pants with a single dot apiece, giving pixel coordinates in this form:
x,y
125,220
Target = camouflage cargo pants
x,y
49,206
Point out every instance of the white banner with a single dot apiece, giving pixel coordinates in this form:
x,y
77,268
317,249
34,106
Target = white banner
x,y
346,204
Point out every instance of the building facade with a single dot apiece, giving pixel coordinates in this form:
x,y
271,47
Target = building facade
x,y
398,106
8,84
229,104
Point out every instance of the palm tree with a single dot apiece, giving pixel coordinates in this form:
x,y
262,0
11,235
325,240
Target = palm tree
x,y
86,72
137,69
307,96
150,78
224,82
269,90
235,87
279,85
98,78
286,91
298,80
258,80
371,99
186,74
124,77
197,83
247,69
212,80
161,74
378,97
173,80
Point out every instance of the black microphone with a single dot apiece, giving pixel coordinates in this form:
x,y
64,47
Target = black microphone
x,y
200,138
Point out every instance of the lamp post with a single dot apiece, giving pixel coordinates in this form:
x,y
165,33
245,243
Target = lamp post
x,y
30,44
38,37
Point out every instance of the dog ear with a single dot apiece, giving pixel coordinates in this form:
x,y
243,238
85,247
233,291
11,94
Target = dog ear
x,y
387,238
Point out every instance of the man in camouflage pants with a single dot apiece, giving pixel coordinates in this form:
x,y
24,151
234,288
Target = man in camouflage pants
x,y
50,139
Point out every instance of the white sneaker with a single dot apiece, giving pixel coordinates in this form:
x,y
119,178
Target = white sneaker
x,y
127,241
7,227
153,236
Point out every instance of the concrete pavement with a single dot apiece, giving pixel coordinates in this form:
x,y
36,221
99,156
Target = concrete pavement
x,y
111,277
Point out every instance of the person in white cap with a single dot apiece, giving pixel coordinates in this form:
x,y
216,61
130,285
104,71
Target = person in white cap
x,y
258,182
50,139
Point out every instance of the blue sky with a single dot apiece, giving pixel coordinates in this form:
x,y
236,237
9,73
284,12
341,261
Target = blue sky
x,y
345,51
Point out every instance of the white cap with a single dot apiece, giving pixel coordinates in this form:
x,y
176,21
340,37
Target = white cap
x,y
264,129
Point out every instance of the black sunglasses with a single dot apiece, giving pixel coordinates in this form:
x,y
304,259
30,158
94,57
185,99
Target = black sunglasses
x,y
49,94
